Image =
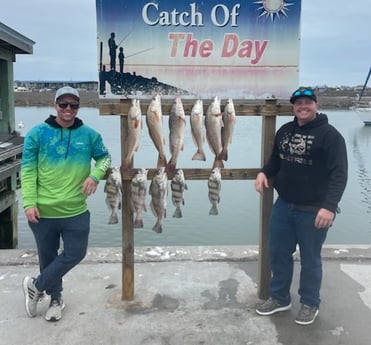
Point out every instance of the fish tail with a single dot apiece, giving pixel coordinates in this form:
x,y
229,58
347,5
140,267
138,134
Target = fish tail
x,y
138,223
157,227
178,213
161,161
199,156
213,210
170,167
218,163
113,219
223,156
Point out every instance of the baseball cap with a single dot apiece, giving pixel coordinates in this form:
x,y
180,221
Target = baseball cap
x,y
66,90
303,92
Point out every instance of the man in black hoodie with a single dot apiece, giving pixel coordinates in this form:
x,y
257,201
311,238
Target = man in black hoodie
x,y
309,166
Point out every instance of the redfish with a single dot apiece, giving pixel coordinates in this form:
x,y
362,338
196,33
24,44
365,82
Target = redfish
x,y
177,124
214,124
154,124
229,120
133,132
197,128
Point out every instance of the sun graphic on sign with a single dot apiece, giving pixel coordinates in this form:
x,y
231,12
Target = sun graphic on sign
x,y
273,8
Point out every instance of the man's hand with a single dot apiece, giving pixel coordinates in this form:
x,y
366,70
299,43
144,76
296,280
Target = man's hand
x,y
32,214
324,219
261,182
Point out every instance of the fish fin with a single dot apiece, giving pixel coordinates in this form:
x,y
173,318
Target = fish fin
x,y
138,223
178,213
119,205
199,156
157,227
218,163
113,219
213,211
185,186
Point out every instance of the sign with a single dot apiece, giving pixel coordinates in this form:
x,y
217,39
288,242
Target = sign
x,y
198,49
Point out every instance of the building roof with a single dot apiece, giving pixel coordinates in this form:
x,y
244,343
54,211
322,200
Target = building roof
x,y
14,41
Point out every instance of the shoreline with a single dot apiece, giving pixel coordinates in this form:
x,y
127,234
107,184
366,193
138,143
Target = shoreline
x,y
327,100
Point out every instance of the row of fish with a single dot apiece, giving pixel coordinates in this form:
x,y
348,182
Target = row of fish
x,y
158,190
218,125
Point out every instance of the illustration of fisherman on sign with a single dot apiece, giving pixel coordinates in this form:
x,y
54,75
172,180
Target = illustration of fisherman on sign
x,y
112,51
118,82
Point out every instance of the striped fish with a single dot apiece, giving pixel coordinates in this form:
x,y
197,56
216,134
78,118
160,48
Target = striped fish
x,y
138,196
158,191
113,190
178,186
214,185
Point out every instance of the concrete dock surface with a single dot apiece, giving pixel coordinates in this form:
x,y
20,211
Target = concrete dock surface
x,y
185,296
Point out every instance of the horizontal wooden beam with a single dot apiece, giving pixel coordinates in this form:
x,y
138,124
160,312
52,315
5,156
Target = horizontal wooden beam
x,y
200,174
269,107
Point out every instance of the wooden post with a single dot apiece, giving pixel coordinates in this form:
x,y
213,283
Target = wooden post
x,y
127,224
269,112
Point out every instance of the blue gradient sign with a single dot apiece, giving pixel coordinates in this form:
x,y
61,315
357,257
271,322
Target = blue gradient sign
x,y
239,49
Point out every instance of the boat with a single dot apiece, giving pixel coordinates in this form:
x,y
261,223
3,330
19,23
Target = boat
x,y
363,107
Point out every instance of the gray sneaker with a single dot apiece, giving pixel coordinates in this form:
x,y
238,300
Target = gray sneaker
x,y
32,296
306,315
271,306
54,312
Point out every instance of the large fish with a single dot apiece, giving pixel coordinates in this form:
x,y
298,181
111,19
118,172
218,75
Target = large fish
x,y
178,186
214,185
158,191
138,196
133,132
113,189
214,124
154,124
229,120
197,127
177,123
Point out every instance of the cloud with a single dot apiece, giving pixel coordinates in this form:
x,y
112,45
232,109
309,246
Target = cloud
x,y
335,48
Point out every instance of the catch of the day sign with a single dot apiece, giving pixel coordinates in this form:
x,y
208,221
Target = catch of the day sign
x,y
198,49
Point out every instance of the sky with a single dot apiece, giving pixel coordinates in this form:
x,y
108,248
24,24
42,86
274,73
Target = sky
x,y
335,46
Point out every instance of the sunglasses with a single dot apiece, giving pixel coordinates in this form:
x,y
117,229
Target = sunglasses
x,y
303,92
73,105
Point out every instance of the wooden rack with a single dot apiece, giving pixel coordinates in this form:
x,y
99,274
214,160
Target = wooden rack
x,y
268,110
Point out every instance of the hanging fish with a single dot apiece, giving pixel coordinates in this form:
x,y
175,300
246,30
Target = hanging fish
x,y
229,120
177,124
154,124
214,185
138,196
178,186
214,124
158,191
113,189
197,127
133,133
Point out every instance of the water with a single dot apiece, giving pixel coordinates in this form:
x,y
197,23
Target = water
x,y
238,220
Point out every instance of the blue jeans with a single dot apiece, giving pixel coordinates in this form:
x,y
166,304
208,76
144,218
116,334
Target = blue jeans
x,y
289,226
53,265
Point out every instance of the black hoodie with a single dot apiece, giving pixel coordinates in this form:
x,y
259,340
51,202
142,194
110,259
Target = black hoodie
x,y
309,164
